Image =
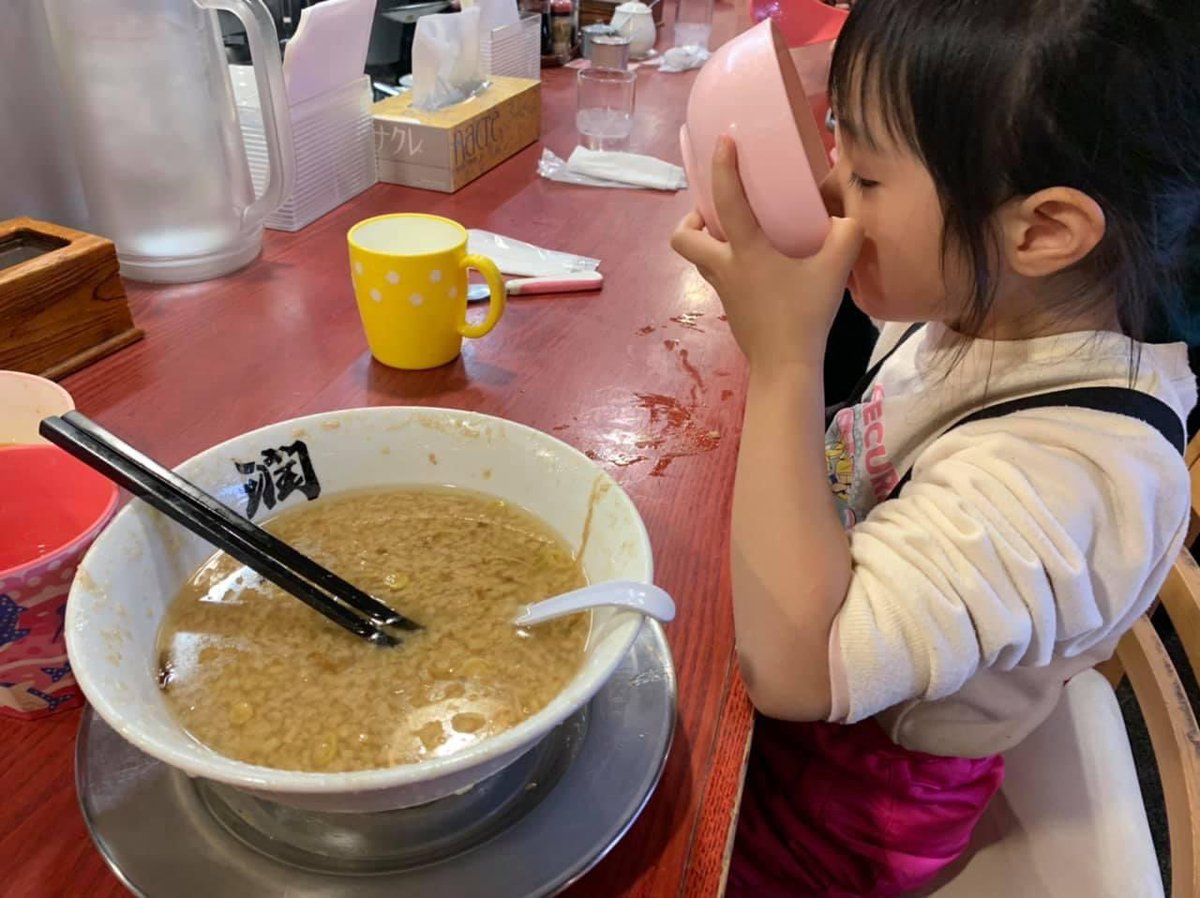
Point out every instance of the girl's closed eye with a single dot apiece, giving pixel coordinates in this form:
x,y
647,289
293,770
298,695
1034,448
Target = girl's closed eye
x,y
858,181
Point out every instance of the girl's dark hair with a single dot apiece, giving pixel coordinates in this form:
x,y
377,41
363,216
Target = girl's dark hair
x,y
1002,98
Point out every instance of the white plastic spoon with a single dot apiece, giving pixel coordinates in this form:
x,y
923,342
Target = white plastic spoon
x,y
644,597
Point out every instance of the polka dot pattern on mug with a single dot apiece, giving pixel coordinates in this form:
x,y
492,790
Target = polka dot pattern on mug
x,y
381,287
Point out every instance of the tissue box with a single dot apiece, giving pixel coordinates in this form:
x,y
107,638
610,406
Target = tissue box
x,y
449,148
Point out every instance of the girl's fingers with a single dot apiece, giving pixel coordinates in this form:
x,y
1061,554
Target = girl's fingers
x,y
729,195
693,222
843,245
696,245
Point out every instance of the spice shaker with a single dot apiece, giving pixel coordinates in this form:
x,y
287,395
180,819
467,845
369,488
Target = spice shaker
x,y
589,33
562,30
610,51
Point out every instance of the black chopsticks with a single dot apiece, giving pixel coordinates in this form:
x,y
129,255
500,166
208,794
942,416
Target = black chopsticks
x,y
319,588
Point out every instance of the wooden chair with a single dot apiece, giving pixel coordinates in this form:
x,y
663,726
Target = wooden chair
x,y
1069,821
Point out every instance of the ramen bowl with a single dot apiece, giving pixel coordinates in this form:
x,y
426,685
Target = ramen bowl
x,y
139,563
750,89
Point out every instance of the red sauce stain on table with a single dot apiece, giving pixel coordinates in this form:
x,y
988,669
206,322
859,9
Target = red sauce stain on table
x,y
616,459
692,371
688,320
677,433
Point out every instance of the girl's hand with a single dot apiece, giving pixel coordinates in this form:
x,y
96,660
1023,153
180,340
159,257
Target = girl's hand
x,y
780,309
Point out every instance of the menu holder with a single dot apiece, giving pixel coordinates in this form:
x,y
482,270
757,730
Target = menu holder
x,y
62,302
514,50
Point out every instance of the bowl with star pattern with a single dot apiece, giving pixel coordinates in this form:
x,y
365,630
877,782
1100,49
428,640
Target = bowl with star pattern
x,y
51,509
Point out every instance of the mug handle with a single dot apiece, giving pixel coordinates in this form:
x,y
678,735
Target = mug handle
x,y
499,295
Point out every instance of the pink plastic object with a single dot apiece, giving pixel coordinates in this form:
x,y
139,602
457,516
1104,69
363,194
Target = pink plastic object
x,y
801,22
51,508
750,90
568,283
809,28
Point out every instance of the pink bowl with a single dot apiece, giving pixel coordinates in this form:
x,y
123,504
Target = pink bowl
x,y
801,22
750,90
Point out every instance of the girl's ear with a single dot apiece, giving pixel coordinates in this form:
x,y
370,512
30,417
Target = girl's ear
x,y
1049,231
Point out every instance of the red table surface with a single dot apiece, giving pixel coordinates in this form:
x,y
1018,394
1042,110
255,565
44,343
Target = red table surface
x,y
644,376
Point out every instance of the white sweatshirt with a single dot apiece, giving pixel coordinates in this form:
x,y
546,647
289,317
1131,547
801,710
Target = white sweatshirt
x,y
1021,550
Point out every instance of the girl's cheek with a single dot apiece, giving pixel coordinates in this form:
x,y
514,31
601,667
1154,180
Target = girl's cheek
x,y
866,271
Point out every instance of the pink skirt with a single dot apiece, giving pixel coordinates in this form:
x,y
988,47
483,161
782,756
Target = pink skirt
x,y
844,812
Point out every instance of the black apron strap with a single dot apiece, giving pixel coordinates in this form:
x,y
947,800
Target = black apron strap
x,y
860,388
1117,400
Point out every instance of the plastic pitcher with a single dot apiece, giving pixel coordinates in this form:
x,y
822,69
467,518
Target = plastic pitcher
x,y
152,115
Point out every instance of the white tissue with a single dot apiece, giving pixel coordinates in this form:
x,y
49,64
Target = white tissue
x,y
445,56
683,59
522,259
604,169
554,168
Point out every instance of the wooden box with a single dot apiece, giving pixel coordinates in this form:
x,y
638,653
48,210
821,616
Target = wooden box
x,y
62,303
448,148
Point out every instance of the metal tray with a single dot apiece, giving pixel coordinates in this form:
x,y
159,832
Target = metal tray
x,y
531,830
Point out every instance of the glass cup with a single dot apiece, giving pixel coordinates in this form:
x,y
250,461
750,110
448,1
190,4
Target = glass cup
x,y
693,23
604,113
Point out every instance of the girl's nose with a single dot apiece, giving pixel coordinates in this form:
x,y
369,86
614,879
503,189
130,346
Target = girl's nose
x,y
831,193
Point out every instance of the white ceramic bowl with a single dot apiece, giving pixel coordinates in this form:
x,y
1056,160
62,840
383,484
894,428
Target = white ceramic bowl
x,y
24,400
141,560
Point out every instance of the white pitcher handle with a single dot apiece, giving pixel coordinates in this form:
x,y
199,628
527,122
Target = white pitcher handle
x,y
277,120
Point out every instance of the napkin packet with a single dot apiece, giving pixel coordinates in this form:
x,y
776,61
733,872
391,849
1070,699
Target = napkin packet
x,y
521,259
593,168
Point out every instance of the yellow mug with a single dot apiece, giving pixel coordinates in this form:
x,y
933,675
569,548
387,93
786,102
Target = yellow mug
x,y
410,280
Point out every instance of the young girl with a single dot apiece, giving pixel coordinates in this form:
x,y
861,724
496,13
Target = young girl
x,y
1023,177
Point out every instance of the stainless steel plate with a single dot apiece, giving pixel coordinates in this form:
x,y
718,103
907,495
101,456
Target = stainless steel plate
x,y
532,830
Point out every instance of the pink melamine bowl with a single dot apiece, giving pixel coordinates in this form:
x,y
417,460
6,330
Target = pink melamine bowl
x,y
750,90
